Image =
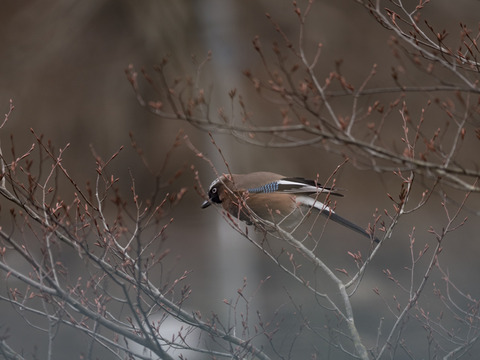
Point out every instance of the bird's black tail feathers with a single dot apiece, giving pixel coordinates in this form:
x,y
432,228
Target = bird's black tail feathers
x,y
342,221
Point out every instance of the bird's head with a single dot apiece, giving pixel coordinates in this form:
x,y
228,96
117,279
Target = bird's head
x,y
215,192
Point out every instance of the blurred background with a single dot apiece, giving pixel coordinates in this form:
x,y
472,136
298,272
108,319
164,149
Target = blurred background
x,y
63,65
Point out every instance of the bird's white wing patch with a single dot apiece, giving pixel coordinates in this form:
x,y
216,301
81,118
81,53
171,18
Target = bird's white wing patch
x,y
311,202
290,186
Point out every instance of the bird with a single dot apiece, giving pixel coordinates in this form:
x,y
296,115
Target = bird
x,y
284,201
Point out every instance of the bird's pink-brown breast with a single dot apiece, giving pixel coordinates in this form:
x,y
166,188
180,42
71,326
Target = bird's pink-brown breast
x,y
272,207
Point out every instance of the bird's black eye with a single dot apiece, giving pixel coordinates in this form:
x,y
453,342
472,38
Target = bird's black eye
x,y
213,195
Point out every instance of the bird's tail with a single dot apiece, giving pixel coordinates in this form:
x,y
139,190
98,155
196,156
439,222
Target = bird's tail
x,y
329,213
342,221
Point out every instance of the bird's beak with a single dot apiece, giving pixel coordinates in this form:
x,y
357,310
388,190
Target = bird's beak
x,y
206,204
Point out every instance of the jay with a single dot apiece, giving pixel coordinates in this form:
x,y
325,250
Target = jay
x,y
275,198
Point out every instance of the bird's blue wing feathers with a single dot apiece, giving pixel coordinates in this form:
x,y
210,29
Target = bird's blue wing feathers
x,y
267,188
